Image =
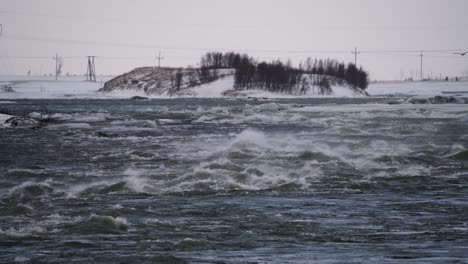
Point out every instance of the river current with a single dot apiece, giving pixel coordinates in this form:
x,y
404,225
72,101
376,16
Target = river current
x,y
235,181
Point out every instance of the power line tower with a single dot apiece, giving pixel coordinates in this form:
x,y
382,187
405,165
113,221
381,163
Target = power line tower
x,y
355,52
159,58
58,65
421,69
91,71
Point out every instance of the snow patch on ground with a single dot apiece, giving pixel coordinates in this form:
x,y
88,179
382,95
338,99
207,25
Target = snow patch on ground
x,y
217,88
214,89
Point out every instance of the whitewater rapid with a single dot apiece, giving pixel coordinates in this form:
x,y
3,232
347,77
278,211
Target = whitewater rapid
x,y
203,180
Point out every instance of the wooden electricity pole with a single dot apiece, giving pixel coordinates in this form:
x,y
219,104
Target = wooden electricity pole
x,y
159,58
421,69
355,52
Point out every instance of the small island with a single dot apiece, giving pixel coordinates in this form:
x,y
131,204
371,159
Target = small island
x,y
243,73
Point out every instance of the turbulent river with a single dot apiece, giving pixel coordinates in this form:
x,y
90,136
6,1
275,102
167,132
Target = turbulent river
x,y
228,180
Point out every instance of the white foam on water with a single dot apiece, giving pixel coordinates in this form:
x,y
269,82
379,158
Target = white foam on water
x,y
117,206
270,160
135,180
109,221
130,125
135,123
94,117
3,118
250,137
26,170
76,189
335,116
27,230
270,151
21,259
61,116
381,108
414,170
70,126
49,224
260,171
270,107
23,185
253,160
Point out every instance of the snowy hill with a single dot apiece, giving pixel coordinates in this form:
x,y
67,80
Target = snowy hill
x,y
164,82
150,81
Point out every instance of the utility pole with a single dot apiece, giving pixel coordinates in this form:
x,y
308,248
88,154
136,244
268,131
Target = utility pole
x,y
91,71
355,52
421,69
1,30
159,58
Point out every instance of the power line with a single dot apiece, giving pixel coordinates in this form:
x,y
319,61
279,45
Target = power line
x,y
131,45
148,58
24,57
413,51
287,51
390,54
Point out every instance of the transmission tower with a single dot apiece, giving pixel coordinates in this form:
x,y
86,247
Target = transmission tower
x,y
91,71
58,65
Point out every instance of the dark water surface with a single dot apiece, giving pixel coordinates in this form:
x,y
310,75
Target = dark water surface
x,y
216,180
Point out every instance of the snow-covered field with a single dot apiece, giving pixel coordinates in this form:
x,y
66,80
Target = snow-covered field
x,y
45,87
417,88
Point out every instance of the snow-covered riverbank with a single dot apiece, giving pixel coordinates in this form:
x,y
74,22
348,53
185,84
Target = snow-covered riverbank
x,y
46,87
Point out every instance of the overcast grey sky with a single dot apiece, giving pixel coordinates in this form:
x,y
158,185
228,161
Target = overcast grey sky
x,y
266,29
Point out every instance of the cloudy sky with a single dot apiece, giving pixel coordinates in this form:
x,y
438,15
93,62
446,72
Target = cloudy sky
x,y
129,33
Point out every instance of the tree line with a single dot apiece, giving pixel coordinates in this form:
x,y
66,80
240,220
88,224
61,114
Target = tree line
x,y
277,76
